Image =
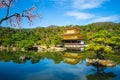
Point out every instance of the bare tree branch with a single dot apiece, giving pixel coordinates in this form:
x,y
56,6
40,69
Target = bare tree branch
x,y
8,8
6,18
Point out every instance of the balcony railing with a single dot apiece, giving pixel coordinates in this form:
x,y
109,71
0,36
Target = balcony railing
x,y
74,45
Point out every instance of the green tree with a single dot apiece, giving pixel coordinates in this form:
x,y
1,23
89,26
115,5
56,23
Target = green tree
x,y
99,43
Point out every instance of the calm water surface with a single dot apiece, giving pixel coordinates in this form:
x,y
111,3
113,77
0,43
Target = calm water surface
x,y
47,69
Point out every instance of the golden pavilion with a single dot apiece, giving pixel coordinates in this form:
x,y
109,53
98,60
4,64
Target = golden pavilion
x,y
72,38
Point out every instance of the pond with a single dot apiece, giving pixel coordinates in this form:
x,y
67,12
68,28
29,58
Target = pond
x,y
51,66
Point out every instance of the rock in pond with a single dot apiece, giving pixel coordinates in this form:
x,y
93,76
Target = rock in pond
x,y
107,63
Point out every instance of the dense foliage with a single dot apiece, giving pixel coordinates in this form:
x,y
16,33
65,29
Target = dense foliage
x,y
102,37
30,37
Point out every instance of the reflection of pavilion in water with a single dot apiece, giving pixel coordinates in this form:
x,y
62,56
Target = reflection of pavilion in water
x,y
72,39
100,74
72,58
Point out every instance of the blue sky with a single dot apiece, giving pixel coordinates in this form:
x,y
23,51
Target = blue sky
x,y
66,12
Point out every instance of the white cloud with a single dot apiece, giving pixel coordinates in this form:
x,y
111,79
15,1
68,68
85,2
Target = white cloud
x,y
108,18
87,4
58,1
80,4
80,15
61,3
94,18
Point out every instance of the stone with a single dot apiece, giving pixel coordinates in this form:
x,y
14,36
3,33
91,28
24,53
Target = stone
x,y
107,63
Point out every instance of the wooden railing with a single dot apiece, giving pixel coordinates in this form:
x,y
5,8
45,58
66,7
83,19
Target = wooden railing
x,y
74,45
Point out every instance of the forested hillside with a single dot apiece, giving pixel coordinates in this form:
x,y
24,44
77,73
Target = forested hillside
x,y
107,33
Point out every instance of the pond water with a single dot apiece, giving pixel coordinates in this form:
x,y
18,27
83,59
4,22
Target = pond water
x,y
52,67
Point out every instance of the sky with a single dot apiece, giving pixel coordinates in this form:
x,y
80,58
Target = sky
x,y
69,12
